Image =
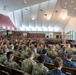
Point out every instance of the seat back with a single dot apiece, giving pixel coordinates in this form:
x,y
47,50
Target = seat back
x,y
64,69
5,70
16,72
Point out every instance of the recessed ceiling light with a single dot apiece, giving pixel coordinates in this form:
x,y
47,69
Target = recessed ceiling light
x,y
33,18
65,3
72,1
70,6
63,17
48,18
74,8
25,1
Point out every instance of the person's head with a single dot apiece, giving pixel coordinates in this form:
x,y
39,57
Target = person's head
x,y
44,51
16,47
64,50
10,55
69,56
31,54
58,62
41,59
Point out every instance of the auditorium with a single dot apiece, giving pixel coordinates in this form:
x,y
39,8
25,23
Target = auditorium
x,y
37,37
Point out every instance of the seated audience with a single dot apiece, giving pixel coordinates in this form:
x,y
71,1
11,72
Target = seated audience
x,y
63,54
40,69
47,59
58,67
27,64
69,62
9,61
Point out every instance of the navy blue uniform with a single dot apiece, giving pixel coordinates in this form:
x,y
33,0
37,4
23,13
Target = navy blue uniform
x,y
70,64
55,72
63,55
48,59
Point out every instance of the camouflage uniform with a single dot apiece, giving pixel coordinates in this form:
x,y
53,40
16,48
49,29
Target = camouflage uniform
x,y
36,56
52,53
40,69
69,50
24,54
55,72
3,58
16,53
70,64
27,65
11,64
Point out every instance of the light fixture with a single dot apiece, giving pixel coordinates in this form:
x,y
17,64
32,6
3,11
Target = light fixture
x,y
12,28
65,7
72,1
70,6
25,1
4,27
65,3
48,18
8,28
74,8
33,18
63,17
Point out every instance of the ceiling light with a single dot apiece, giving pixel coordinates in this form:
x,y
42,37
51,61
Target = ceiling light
x,y
74,8
25,1
33,18
65,3
70,6
65,7
4,27
48,18
63,17
72,1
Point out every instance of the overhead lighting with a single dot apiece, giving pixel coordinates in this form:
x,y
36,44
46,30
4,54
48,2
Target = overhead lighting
x,y
48,18
74,8
65,3
12,28
72,1
8,28
70,6
25,1
33,18
63,17
4,27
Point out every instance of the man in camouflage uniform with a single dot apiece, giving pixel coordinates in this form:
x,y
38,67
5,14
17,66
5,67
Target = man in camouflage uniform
x,y
40,69
16,51
2,58
69,62
9,61
58,66
27,64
